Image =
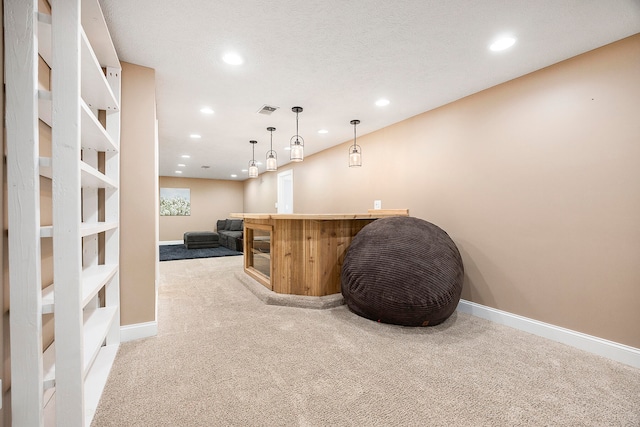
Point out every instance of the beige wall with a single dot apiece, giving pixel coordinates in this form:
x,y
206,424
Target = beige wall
x,y
138,190
262,193
210,200
537,181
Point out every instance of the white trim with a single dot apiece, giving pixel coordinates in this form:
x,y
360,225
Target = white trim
x,y
138,331
171,242
609,349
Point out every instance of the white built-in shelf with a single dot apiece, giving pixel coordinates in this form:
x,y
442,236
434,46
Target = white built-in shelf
x,y
44,37
49,366
97,364
94,135
94,24
86,229
92,178
96,325
46,231
89,228
48,396
45,167
49,401
96,379
95,89
47,300
44,106
93,279
86,60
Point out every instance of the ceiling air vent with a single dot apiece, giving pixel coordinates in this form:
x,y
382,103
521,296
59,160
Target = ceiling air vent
x,y
267,109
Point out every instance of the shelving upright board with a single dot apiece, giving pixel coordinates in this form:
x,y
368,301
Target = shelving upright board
x,y
62,384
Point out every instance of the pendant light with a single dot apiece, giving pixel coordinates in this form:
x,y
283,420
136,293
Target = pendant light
x,y
272,156
355,152
297,142
253,168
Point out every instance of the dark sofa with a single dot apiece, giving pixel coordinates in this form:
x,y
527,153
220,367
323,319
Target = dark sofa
x,y
230,232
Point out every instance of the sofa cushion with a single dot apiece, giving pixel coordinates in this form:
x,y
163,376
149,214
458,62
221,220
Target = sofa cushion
x,y
236,245
236,225
234,234
220,224
227,224
224,239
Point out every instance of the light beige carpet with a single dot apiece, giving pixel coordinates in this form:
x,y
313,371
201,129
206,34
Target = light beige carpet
x,y
224,358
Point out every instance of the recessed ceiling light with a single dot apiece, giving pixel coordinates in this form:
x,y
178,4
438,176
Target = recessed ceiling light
x,y
259,163
206,110
233,175
287,148
186,156
382,102
181,165
178,171
195,136
232,59
323,131
502,44
245,170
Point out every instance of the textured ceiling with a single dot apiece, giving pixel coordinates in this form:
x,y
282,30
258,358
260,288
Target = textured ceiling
x,y
334,58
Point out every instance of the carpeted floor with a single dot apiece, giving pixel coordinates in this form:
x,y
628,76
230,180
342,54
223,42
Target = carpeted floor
x,y
224,358
176,252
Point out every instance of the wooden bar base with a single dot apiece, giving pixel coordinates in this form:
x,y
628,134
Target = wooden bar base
x,y
304,251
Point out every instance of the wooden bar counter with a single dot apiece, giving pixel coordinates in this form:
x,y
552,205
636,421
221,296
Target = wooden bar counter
x,y
302,254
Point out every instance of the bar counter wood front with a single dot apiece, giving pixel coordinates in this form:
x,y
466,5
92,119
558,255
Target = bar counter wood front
x,y
302,254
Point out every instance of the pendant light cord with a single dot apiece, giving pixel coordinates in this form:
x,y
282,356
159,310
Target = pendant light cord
x,y
354,135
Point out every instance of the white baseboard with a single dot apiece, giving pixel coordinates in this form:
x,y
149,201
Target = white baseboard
x,y
171,242
138,331
609,349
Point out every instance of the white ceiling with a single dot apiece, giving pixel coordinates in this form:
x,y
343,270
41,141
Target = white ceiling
x,y
334,58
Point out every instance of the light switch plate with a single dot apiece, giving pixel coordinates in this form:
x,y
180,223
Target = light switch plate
x,y
377,204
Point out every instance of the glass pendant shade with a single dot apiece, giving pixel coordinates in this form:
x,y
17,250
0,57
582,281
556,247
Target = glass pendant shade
x,y
253,168
272,162
355,152
355,156
272,156
296,154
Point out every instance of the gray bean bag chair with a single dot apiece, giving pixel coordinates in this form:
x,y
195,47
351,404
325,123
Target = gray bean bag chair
x,y
404,271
